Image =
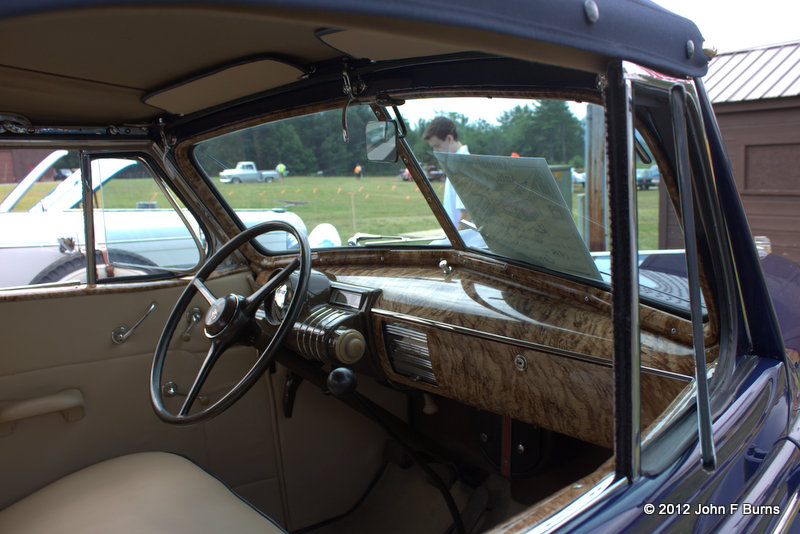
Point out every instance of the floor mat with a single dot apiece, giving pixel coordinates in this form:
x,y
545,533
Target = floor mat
x,y
403,501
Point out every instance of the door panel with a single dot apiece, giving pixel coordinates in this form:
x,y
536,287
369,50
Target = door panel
x,y
62,341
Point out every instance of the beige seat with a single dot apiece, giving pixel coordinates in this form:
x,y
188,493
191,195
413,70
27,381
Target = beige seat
x,y
149,492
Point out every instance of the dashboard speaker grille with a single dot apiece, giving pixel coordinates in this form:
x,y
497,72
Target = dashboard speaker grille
x,y
407,347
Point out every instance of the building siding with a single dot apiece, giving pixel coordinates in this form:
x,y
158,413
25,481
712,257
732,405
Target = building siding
x,y
762,138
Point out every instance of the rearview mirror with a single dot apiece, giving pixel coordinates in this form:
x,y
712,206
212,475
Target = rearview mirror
x,y
381,141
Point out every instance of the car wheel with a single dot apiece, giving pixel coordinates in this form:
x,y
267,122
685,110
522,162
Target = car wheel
x,y
236,180
73,267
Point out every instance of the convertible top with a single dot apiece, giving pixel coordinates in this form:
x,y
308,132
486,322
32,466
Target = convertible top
x,y
635,30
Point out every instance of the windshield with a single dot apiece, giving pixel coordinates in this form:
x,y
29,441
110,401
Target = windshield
x,y
509,174
301,169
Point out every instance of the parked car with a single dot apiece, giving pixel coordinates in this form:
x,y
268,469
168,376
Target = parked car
x,y
246,171
647,178
522,369
62,174
47,244
434,174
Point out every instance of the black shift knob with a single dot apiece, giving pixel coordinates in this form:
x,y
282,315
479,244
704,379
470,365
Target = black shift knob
x,y
342,382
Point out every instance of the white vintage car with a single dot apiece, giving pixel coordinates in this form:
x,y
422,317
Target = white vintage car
x,y
46,243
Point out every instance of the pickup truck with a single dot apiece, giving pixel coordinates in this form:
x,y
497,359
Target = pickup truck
x,y
246,171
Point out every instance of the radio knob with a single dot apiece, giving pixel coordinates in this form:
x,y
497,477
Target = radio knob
x,y
349,345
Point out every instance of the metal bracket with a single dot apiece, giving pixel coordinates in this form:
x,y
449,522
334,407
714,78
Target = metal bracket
x,y
351,91
385,100
167,142
293,382
121,334
171,389
14,123
193,316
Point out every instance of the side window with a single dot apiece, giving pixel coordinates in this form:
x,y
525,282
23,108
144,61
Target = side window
x,y
137,230
42,230
662,260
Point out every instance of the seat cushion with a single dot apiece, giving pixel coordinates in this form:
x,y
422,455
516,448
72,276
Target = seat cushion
x,y
146,492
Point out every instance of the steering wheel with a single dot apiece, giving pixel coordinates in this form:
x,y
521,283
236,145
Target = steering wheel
x,y
229,321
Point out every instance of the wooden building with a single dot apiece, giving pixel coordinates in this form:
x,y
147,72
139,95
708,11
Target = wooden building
x,y
16,164
756,97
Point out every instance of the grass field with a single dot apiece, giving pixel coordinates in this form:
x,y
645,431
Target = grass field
x,y
379,205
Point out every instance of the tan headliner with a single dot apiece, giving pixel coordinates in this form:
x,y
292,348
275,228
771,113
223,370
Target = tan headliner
x,y
95,65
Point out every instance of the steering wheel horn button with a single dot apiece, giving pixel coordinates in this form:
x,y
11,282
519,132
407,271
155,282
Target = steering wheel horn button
x,y
220,315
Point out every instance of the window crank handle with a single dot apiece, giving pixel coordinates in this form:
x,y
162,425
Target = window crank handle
x,y
120,334
194,316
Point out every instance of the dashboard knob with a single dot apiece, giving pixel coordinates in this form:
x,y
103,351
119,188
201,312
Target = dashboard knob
x,y
349,345
342,382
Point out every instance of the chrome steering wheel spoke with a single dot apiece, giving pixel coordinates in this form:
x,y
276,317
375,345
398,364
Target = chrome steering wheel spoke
x,y
205,369
203,290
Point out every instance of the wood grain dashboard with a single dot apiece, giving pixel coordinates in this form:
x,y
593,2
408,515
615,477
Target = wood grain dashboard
x,y
531,346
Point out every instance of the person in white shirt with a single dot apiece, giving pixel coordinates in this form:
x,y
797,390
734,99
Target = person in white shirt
x,y
442,135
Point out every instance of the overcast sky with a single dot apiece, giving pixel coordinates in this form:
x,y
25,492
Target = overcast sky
x,y
733,25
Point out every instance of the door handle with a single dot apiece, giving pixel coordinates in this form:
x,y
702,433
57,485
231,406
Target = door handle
x,y
68,402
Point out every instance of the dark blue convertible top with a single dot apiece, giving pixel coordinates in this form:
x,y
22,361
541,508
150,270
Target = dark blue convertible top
x,y
634,30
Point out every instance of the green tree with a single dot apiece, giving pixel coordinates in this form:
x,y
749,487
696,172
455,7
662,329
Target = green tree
x,y
559,133
518,131
279,142
483,138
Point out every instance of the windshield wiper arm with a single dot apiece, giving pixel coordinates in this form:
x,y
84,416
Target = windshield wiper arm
x,y
359,239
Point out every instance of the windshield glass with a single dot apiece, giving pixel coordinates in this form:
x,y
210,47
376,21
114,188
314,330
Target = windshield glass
x,y
301,170
510,175
503,170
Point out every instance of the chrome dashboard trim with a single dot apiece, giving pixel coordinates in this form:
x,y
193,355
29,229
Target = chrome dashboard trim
x,y
305,332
